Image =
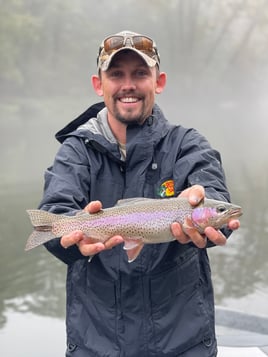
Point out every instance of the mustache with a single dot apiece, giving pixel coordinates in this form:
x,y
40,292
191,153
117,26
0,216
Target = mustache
x,y
129,94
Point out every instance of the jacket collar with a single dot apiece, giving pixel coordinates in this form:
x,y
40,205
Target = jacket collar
x,y
156,126
91,112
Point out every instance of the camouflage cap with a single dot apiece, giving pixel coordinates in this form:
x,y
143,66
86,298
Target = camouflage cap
x,y
144,46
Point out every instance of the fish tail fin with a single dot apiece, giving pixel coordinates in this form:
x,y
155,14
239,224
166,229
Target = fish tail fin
x,y
41,218
38,238
42,223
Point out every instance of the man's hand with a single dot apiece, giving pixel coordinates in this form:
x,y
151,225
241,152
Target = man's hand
x,y
188,234
87,245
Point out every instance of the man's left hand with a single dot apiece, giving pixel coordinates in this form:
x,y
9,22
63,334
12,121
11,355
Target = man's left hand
x,y
188,234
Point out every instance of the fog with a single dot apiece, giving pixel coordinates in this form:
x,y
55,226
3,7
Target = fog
x,y
214,52
215,55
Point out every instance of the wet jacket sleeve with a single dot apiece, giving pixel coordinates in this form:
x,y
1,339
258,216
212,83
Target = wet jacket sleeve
x,y
67,184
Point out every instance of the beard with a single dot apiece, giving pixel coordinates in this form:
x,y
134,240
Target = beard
x,y
130,116
130,120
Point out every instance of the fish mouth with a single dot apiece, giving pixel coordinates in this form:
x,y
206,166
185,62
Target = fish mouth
x,y
236,213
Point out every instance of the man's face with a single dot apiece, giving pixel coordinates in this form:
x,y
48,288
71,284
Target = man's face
x,y
128,88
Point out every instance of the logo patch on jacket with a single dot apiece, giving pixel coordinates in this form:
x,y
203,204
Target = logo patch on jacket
x,y
166,189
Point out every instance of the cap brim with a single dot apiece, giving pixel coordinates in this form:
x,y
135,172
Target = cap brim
x,y
106,63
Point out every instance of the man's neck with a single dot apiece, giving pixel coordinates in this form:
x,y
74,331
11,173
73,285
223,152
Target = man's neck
x,y
119,129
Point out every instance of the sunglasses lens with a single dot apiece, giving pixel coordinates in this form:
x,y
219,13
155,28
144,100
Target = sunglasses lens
x,y
113,43
143,43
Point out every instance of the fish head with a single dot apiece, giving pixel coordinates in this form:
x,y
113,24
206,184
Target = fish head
x,y
214,214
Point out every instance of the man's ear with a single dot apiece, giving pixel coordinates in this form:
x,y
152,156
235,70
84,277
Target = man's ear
x,y
96,84
160,82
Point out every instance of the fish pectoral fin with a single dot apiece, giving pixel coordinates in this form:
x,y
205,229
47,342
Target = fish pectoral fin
x,y
82,213
131,243
133,248
187,225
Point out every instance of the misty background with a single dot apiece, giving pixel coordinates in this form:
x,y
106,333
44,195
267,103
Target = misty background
x,y
215,54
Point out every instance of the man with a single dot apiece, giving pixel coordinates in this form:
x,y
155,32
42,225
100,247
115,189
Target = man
x,y
162,303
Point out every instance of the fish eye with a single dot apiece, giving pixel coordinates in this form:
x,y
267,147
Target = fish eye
x,y
221,209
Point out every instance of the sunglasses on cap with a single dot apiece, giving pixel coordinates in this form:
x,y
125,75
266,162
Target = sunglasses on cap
x,y
139,42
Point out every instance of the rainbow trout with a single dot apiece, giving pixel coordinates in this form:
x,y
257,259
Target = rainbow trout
x,y
138,220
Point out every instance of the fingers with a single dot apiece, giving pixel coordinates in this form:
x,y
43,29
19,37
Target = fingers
x,y
234,224
187,233
71,239
112,242
195,237
89,249
178,233
195,194
190,235
87,245
199,240
215,236
93,207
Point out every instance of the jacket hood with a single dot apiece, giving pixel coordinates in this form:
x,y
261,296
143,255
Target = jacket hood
x,y
91,112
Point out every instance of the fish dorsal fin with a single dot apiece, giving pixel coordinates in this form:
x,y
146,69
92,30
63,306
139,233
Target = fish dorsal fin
x,y
133,247
131,201
82,213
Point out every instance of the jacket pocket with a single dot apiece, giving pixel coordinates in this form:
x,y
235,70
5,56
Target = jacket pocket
x,y
179,316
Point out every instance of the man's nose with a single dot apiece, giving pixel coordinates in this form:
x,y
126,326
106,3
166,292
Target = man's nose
x,y
128,83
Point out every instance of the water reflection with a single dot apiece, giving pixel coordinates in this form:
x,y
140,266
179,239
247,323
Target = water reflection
x,y
29,282
30,332
240,268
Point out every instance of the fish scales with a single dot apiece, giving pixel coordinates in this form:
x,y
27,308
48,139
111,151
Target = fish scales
x,y
151,224
132,224
139,221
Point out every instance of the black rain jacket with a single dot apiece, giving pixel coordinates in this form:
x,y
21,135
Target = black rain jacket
x,y
161,305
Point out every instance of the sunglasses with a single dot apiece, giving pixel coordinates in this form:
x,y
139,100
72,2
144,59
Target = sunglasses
x,y
140,43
